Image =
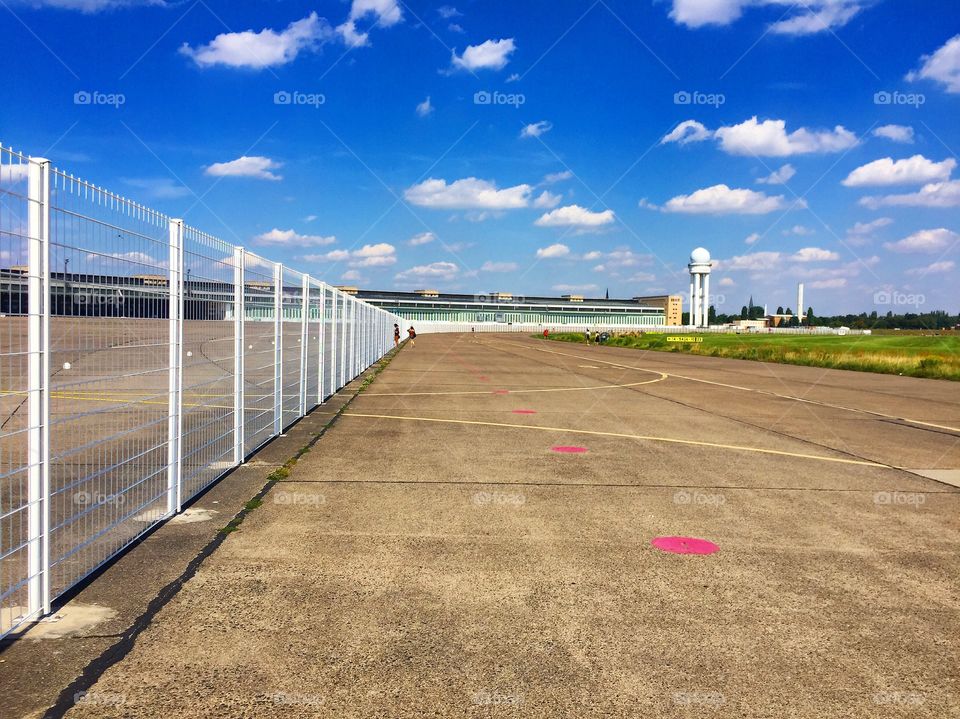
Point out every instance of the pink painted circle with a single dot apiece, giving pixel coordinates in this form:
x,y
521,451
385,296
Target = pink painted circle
x,y
569,450
684,545
524,411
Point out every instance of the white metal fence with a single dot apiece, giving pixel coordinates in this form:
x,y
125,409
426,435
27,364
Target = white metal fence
x,y
429,327
140,360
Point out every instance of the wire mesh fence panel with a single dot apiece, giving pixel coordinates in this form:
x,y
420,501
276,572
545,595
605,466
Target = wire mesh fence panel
x,y
16,502
108,382
329,343
258,353
292,329
209,363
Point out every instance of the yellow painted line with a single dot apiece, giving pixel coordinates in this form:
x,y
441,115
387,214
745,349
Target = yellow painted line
x,y
747,389
515,391
670,440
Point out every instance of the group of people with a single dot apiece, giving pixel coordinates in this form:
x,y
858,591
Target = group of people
x,y
411,334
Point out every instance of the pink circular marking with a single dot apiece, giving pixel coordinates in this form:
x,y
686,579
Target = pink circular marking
x,y
569,450
483,378
684,545
501,391
524,411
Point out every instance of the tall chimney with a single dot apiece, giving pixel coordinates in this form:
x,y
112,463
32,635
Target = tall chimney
x,y
800,312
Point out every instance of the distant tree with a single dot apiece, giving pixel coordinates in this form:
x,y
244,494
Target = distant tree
x,y
788,311
811,320
711,315
780,310
744,313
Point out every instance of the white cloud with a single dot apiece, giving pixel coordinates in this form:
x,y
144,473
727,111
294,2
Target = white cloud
x,y
161,188
553,251
292,239
385,13
897,133
770,139
448,11
310,218
805,18
556,177
779,177
351,276
753,238
258,167
435,270
727,282
257,50
831,284
466,194
914,170
575,288
133,257
814,254
867,228
937,194
722,200
686,132
425,107
799,231
499,267
937,268
488,55
942,66
619,259
753,262
381,254
535,129
575,216
456,27
925,241
546,200
424,238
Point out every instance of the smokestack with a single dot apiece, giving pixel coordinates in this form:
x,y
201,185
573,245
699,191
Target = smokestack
x,y
800,312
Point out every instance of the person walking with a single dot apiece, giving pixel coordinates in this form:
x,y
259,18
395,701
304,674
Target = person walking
x,y
588,336
412,334
396,335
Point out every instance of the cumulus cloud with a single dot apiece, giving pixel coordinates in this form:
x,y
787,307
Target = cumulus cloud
x,y
488,55
425,107
553,251
928,241
814,254
937,268
779,177
897,133
255,166
936,194
799,231
753,238
619,259
499,267
687,132
943,66
913,170
799,18
257,50
771,139
292,239
433,271
831,284
556,177
722,200
160,188
424,238
575,288
575,216
764,139
546,200
753,262
862,232
535,129
469,193
381,254
385,13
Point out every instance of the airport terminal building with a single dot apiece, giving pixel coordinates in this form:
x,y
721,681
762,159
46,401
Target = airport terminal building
x,y
503,308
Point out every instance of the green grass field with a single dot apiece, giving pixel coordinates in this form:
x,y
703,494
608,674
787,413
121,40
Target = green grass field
x,y
913,355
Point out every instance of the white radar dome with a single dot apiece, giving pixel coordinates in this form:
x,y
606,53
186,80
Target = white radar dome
x,y
699,255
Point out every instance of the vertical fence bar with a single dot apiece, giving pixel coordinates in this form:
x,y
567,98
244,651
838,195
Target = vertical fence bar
x,y
239,312
333,341
320,345
38,345
175,367
343,343
304,336
277,349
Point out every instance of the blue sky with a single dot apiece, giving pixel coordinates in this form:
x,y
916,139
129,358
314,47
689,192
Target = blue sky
x,y
535,147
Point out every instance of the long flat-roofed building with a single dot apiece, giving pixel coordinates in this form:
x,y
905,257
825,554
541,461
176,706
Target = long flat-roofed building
x,y
505,308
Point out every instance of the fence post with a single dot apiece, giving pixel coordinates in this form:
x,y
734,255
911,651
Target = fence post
x,y
239,342
333,341
277,349
343,344
38,371
175,368
304,336
322,326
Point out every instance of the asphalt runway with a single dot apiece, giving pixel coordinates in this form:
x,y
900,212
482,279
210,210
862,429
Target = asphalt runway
x,y
475,537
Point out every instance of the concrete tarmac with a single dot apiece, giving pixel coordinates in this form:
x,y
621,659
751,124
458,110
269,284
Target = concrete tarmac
x,y
435,555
